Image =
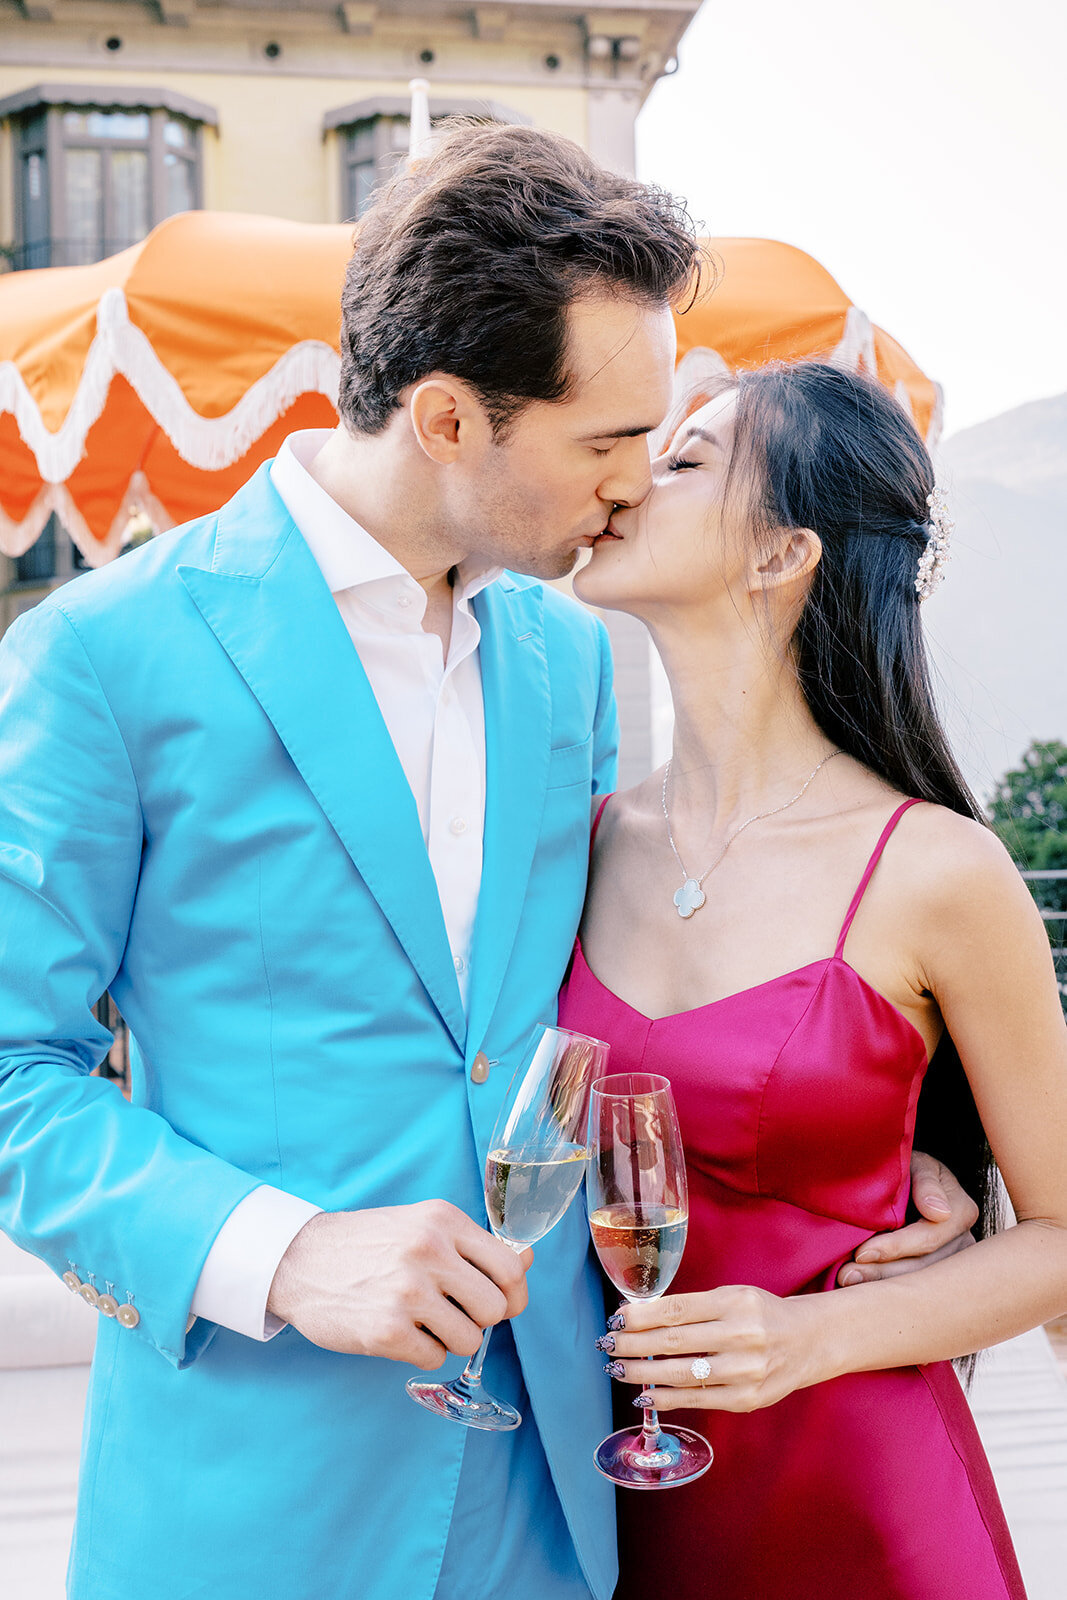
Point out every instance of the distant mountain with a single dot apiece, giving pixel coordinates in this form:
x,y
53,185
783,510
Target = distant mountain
x,y
998,624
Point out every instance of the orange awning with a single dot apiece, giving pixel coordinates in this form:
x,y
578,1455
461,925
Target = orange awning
x,y
160,378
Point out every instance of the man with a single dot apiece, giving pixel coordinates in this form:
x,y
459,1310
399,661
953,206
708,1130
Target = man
x,y
306,784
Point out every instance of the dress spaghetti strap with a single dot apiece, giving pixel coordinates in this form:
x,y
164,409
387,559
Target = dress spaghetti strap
x,y
596,821
876,856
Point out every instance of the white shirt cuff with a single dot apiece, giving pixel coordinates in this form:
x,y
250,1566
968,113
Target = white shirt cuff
x,y
235,1279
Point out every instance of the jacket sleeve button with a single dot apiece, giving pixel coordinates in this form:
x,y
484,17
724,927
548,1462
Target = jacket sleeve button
x,y
73,1282
89,1294
129,1316
107,1304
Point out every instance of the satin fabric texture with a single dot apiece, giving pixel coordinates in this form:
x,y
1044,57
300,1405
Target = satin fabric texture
x,y
797,1103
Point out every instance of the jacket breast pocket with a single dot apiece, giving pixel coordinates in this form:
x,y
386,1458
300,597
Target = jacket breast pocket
x,y
570,765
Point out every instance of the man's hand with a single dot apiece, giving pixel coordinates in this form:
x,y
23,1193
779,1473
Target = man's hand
x,y
950,1214
410,1283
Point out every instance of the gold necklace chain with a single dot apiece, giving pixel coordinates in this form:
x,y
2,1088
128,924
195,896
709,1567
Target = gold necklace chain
x,y
690,897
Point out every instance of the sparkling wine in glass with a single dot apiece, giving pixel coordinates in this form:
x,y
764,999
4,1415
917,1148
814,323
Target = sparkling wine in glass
x,y
638,1215
534,1169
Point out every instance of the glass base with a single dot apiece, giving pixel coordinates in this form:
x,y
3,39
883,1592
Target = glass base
x,y
465,1403
681,1457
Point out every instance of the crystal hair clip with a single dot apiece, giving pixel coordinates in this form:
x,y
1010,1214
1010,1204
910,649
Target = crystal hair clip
x,y
935,557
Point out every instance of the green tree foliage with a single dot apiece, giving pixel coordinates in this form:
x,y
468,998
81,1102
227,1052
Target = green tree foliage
x,y
1029,813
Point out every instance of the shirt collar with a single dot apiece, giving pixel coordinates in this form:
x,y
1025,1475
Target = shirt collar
x,y
347,555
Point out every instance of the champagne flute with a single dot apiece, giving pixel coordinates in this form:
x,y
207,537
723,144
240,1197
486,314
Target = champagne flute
x,y
534,1169
638,1214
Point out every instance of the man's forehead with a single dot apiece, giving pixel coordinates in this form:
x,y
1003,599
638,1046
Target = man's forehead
x,y
622,363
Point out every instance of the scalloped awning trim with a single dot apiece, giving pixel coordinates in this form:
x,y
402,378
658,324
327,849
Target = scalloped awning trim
x,y
119,346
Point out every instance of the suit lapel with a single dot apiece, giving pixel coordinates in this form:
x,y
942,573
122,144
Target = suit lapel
x,y
518,726
265,600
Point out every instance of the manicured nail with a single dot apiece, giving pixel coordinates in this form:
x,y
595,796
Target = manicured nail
x,y
606,1343
616,1322
645,1398
615,1369
851,1276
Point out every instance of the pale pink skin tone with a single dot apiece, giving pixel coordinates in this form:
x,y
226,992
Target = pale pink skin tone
x,y
947,932
413,1283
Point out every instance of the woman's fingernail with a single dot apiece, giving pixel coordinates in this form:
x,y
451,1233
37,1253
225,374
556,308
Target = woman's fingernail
x,y
643,1399
606,1342
616,1322
851,1276
615,1369
868,1255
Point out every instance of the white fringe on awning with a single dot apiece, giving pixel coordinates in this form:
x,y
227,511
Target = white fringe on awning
x,y
209,443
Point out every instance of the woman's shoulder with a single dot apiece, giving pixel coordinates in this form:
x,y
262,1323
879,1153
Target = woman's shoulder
x,y
956,865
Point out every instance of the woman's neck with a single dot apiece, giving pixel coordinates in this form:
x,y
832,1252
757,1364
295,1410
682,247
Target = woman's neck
x,y
744,739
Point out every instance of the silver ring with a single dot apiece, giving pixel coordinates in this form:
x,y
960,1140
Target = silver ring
x,y
701,1368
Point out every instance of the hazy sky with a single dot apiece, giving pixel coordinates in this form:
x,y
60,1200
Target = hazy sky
x,y
917,149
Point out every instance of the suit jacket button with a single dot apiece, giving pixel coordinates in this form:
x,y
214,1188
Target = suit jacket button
x,y
480,1067
129,1316
73,1282
107,1304
89,1294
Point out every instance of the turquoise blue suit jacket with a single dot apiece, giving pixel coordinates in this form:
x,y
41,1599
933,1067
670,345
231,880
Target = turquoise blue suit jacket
x,y
201,810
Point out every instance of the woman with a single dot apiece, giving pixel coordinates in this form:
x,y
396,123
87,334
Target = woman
x,y
828,935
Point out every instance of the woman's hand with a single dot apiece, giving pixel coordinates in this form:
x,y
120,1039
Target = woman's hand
x,y
759,1348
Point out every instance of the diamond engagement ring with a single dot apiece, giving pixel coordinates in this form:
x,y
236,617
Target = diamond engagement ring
x,y
701,1368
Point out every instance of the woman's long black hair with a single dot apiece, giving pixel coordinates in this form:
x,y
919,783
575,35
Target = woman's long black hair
x,y
833,451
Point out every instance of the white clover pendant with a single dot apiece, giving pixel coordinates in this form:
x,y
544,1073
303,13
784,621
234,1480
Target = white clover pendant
x,y
689,898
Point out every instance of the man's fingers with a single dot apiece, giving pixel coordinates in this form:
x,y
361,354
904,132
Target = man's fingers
x,y
474,1293
928,1189
453,1328
917,1239
853,1273
424,1351
938,1196
499,1264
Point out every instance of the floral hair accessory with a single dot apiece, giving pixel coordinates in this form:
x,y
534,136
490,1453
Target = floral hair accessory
x,y
935,557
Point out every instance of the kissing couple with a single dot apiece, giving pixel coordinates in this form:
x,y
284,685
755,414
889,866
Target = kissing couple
x,y
310,786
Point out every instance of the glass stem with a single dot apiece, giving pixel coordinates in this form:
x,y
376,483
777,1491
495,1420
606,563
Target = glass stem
x,y
650,1438
472,1372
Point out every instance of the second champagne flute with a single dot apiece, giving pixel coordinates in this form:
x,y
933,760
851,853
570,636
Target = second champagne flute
x,y
534,1169
638,1215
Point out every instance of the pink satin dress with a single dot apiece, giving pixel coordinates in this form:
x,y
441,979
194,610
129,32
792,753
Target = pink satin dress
x,y
797,1105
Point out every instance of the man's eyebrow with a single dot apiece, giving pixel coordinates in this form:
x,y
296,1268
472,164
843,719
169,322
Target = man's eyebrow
x,y
621,433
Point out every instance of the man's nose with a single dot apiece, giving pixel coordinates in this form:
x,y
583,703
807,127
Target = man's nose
x,y
630,478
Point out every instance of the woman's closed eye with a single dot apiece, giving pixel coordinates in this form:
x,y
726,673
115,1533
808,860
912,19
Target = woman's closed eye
x,y
679,463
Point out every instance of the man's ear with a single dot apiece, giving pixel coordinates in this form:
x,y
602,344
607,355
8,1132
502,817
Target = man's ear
x,y
446,417
795,554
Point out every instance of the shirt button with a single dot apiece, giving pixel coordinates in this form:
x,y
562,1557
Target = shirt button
x,y
403,600
459,964
457,826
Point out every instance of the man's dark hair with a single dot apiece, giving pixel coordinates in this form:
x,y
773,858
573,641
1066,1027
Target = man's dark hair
x,y
467,264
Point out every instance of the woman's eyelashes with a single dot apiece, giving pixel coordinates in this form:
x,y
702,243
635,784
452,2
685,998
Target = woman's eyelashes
x,y
678,464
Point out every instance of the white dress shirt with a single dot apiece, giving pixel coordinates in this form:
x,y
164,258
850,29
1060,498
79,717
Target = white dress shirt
x,y
434,711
